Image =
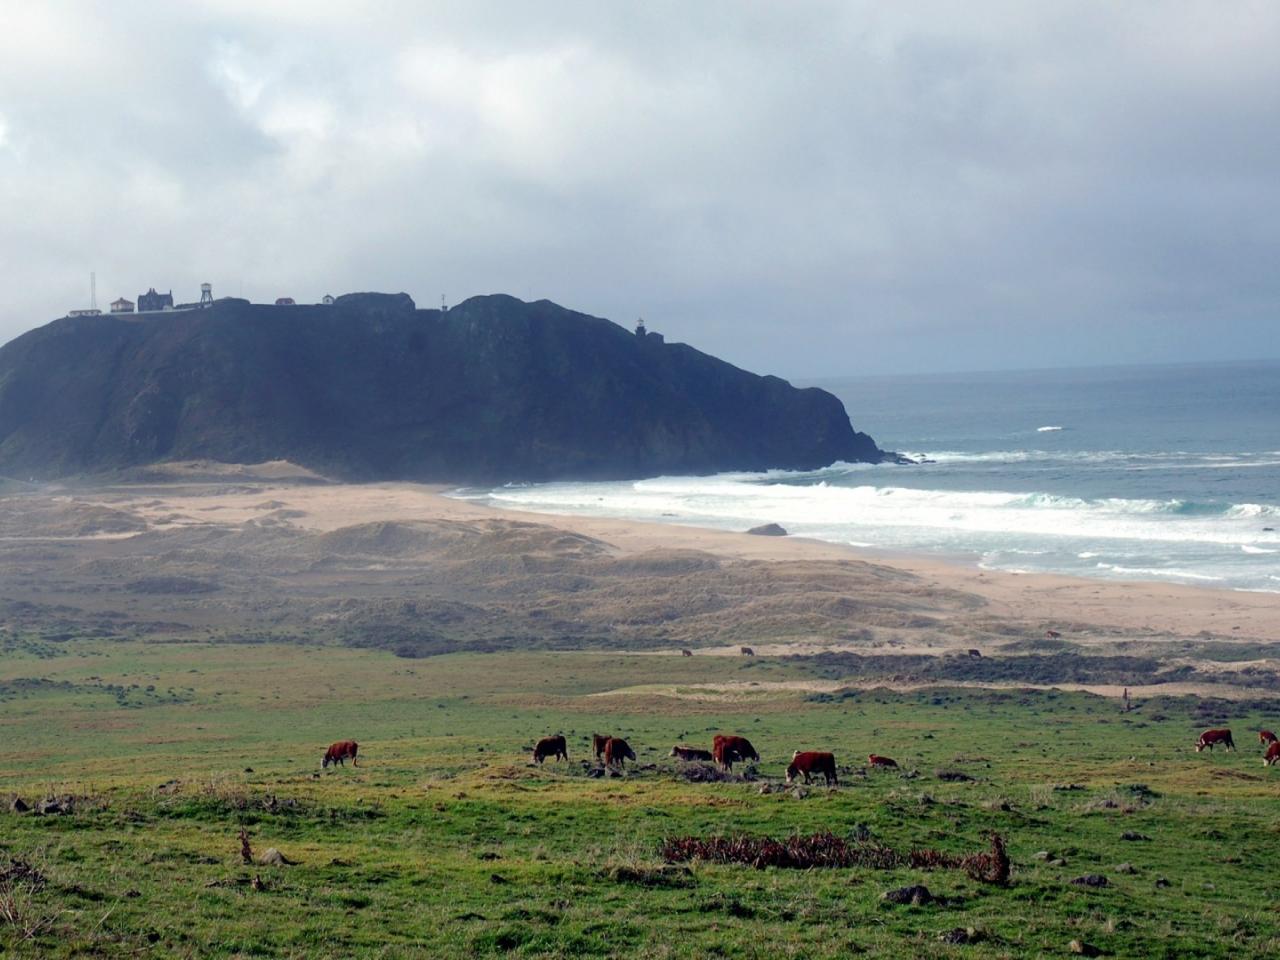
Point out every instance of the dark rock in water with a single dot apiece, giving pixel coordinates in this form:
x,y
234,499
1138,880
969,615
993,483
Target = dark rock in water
x,y
494,389
768,530
916,895
1090,880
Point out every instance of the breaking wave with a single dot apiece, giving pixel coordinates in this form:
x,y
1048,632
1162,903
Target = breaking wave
x,y
1183,539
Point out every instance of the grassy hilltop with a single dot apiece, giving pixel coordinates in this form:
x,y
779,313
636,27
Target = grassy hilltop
x,y
446,841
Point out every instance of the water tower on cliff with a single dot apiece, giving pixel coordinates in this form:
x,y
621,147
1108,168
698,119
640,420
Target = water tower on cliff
x,y
206,295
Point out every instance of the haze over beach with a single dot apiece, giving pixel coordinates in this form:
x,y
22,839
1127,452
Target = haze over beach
x,y
694,480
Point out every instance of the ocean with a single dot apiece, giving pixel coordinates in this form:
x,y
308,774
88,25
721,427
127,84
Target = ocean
x,y
1166,473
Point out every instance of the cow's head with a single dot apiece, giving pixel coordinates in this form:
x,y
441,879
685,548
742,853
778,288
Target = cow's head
x,y
1199,745
325,762
791,772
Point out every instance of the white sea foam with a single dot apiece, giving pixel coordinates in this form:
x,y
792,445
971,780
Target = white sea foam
x,y
1169,538
1047,429
1158,572
1130,460
851,512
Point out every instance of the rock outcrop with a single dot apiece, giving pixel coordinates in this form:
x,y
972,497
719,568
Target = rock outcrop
x,y
370,387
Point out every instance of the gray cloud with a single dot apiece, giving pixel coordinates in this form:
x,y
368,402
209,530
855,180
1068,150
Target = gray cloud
x,y
808,189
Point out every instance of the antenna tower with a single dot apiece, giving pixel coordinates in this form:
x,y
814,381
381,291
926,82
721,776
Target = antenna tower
x,y
93,290
444,307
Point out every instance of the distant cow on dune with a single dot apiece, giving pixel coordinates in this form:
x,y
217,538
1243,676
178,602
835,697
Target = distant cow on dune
x,y
884,762
1212,737
812,762
617,750
1266,736
686,653
1272,754
747,651
1053,634
730,750
598,740
340,752
690,754
550,747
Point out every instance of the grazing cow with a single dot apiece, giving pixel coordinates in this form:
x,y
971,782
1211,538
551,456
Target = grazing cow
x,y
1211,737
686,653
690,753
1272,754
339,752
1266,736
812,762
598,740
550,747
976,654
1053,634
730,750
747,651
878,761
616,750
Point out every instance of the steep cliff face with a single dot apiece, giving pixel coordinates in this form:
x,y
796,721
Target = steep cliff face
x,y
371,388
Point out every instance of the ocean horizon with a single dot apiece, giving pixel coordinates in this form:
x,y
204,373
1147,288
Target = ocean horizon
x,y
1167,473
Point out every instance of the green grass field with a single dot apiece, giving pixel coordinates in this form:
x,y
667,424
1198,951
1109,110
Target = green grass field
x,y
446,841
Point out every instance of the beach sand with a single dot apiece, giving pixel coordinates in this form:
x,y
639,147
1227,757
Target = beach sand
x,y
1083,608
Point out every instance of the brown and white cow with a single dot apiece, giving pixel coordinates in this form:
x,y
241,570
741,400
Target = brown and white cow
x,y
730,750
617,750
1272,754
1266,736
550,747
686,653
813,762
883,762
690,754
598,740
340,752
747,651
1211,737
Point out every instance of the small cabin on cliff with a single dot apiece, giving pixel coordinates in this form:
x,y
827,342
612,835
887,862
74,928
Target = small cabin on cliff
x,y
151,301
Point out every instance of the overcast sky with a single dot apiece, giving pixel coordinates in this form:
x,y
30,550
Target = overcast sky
x,y
805,188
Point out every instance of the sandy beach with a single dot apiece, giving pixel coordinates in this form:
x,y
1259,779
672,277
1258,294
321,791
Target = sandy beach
x,y
1085,608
